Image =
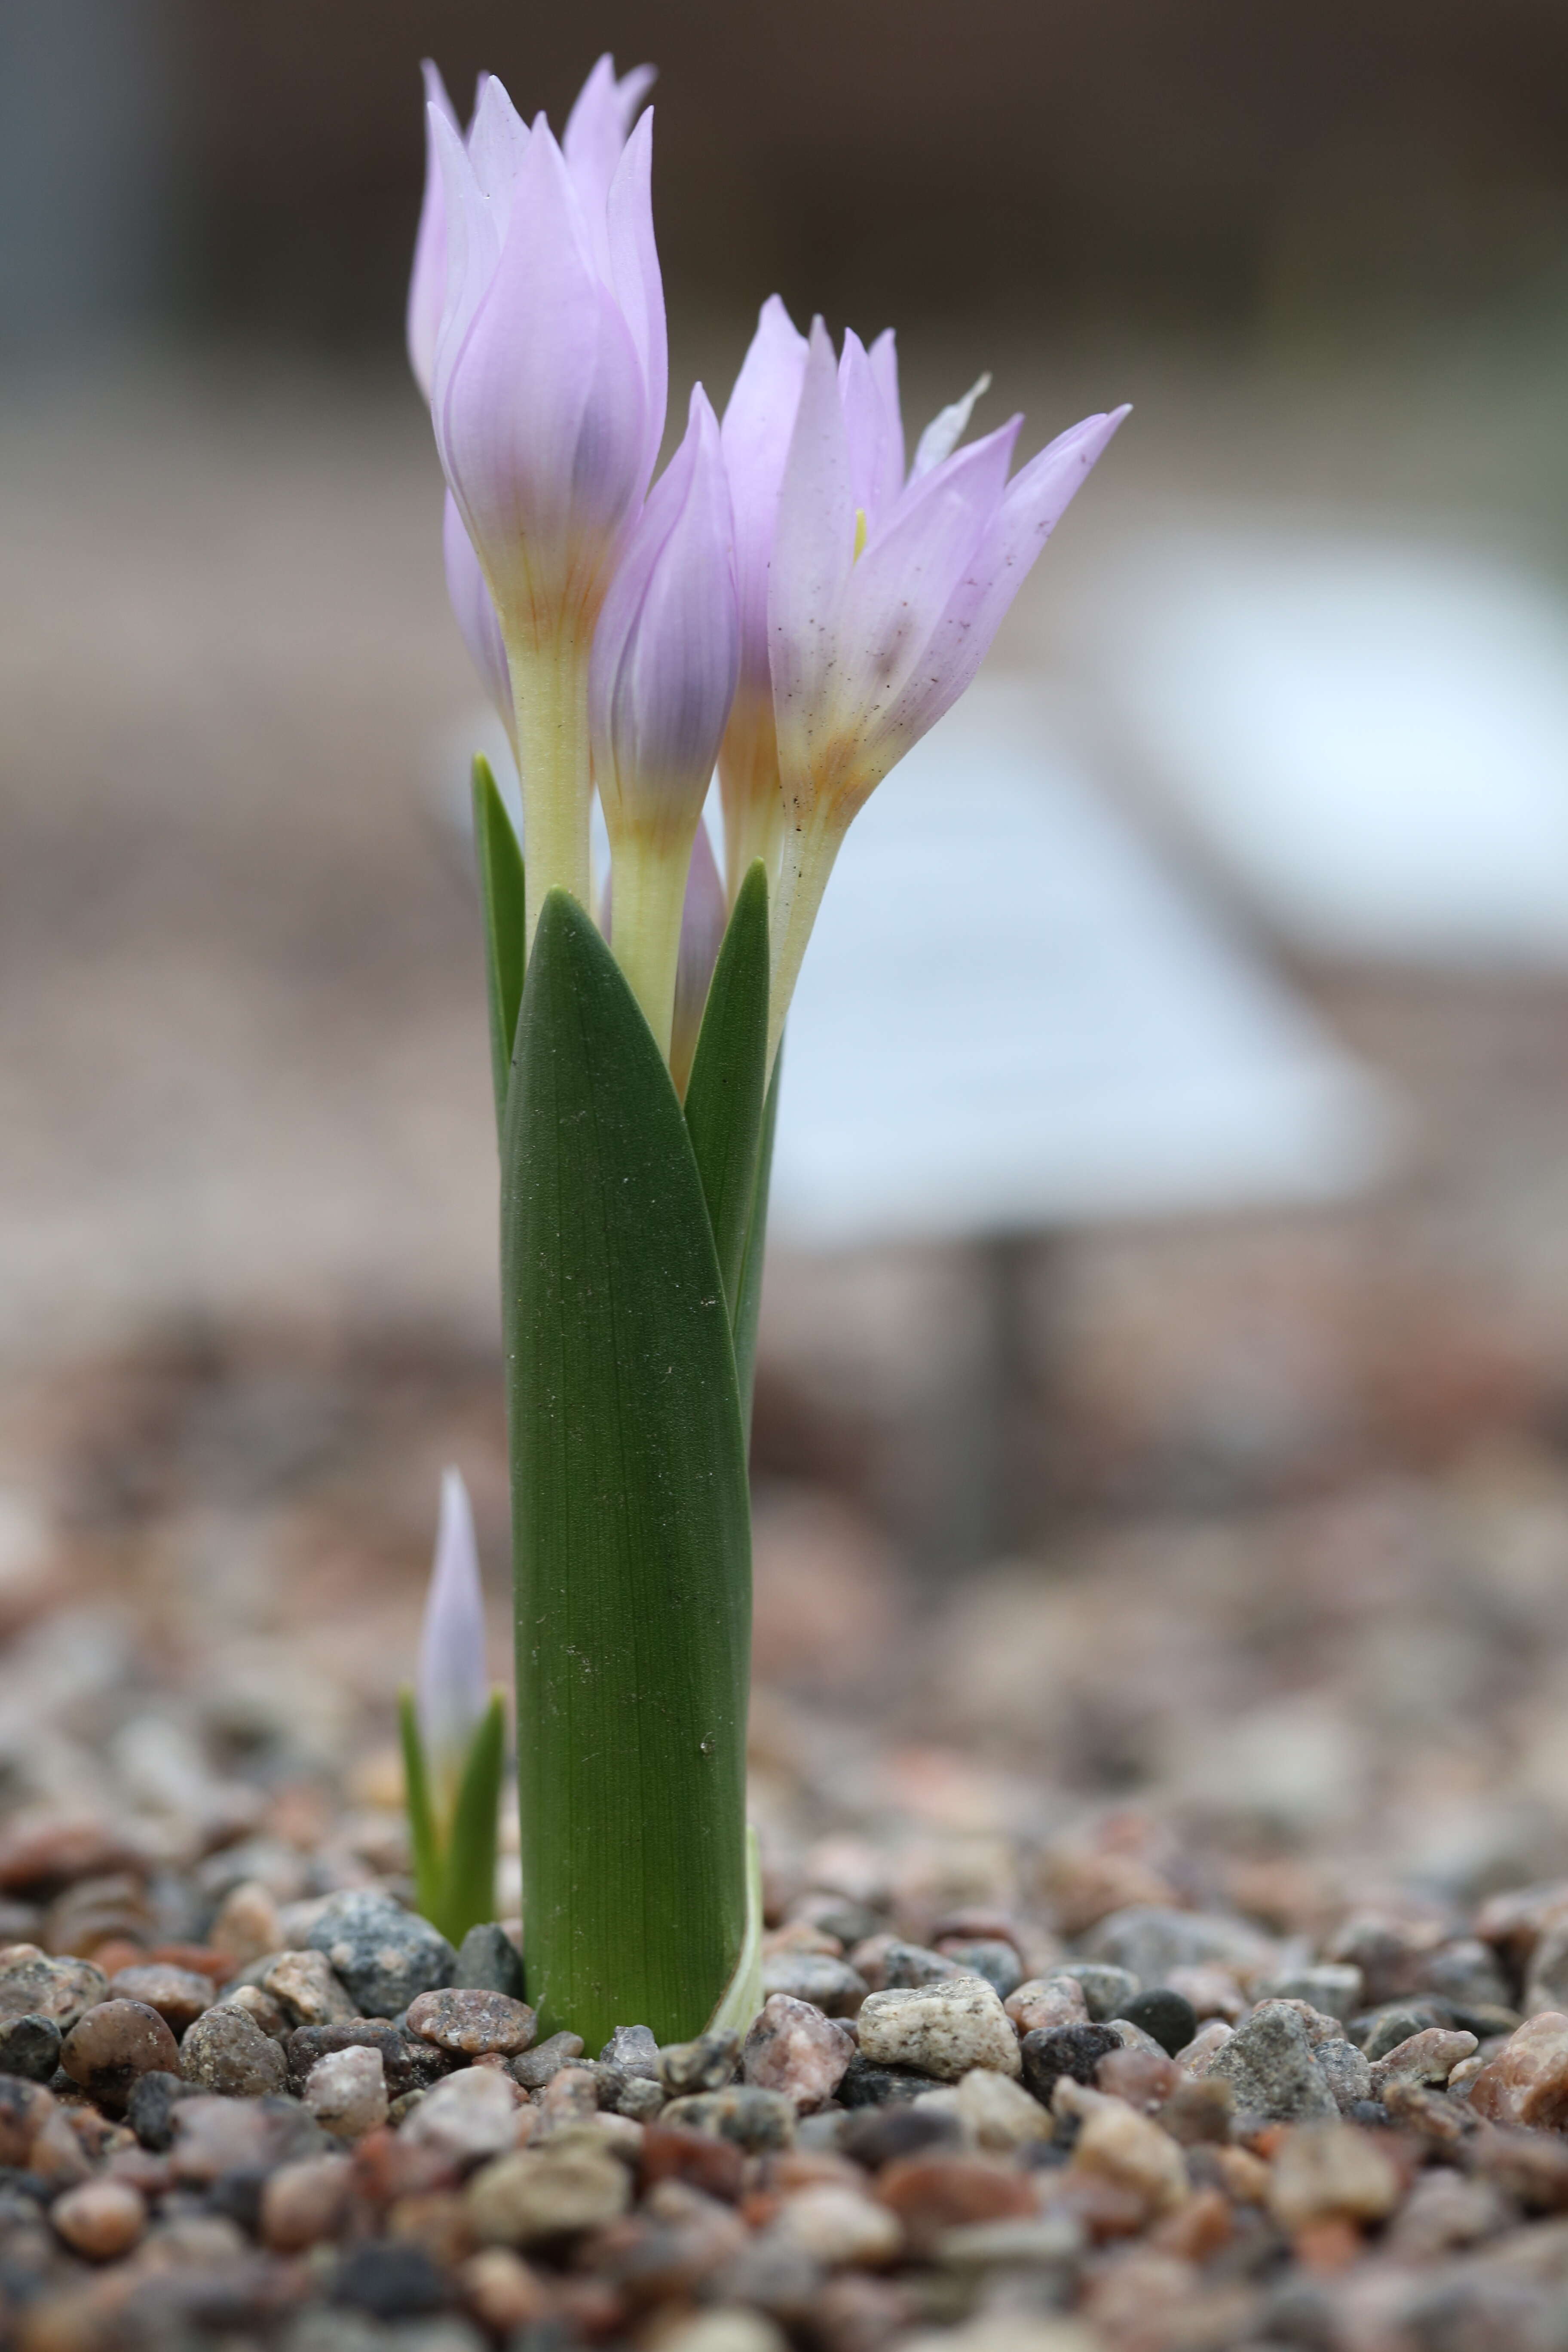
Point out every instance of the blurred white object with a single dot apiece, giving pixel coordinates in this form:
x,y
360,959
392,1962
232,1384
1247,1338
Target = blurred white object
x,y
1011,1017
1371,739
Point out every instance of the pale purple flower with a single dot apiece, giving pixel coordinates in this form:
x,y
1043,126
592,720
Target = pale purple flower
x,y
427,280
755,432
549,381
885,593
702,920
475,616
660,684
450,1691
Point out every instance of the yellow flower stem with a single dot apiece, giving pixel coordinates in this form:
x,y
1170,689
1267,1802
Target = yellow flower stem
x,y
550,686
647,891
810,848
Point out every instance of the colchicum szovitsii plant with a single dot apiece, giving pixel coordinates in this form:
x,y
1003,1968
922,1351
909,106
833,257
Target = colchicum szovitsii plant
x,y
453,1735
794,603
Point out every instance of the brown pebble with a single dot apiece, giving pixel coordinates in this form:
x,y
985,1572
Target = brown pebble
x,y
120,1953
1526,2081
436,2219
200,1959
24,2107
471,2023
1144,2078
302,2203
227,2052
792,2048
674,2152
1205,2226
178,1995
502,2291
113,2045
100,2220
1043,2002
934,2193
247,1926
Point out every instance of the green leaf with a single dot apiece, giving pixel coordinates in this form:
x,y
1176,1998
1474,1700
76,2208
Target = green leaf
x,y
742,1998
468,1894
429,1874
631,1527
749,1305
501,901
729,1077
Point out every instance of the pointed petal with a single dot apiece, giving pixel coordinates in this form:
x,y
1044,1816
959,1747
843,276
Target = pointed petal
x,y
596,128
703,917
634,273
450,1690
947,428
427,280
875,436
498,137
884,358
476,615
1032,505
758,423
814,548
473,247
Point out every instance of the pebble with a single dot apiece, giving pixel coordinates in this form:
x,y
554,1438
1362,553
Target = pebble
x,y
538,2066
532,2196
111,2046
885,1963
1116,2144
996,2115
1527,2081
304,2202
1054,2050
471,2022
489,1961
1345,2070
246,1925
384,1955
1269,2064
1335,1988
57,2154
1205,2046
1430,2057
754,2116
149,2109
307,1990
470,2115
501,2290
1045,2001
728,2328
212,2137
346,2091
1150,1939
409,2063
1106,1991
1144,2078
831,1985
100,2220
1330,2168
838,2227
989,1957
705,2064
1212,1989
29,2046
1379,2031
865,2086
179,1995
260,2007
1466,1972
631,2049
795,2048
933,2194
227,2052
571,2096
1168,2018
940,2029
34,1985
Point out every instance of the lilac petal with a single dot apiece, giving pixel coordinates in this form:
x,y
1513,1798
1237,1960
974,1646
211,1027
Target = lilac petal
x,y
703,917
497,139
758,423
427,280
540,413
666,651
450,1690
473,248
1032,505
875,438
904,582
884,358
476,615
813,550
634,273
597,126
947,428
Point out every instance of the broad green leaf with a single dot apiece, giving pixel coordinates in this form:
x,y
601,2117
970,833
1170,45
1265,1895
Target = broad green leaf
x,y
729,1078
422,1834
500,900
742,1999
749,1305
631,1527
468,1894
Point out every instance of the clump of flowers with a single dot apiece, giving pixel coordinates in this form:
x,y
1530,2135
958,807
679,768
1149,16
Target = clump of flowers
x,y
796,602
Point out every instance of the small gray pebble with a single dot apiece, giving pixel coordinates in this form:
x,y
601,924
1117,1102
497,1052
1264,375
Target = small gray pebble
x,y
632,2050
384,1955
226,2051
830,1985
1379,2031
544,2060
489,1961
991,1957
1347,2072
1334,1988
30,2046
1106,1991
865,2086
640,2098
758,2119
1271,2066
705,2064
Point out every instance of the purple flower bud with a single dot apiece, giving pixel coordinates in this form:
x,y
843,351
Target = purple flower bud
x,y
703,917
884,596
476,615
660,684
451,1693
755,434
427,282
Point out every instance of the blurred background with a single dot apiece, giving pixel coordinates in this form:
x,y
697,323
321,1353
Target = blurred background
x,y
1188,1444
